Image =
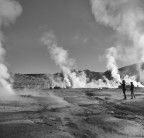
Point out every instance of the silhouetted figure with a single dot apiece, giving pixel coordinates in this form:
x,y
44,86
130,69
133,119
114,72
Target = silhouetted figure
x,y
124,88
132,90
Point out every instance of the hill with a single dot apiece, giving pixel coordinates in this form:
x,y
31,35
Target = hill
x,y
50,80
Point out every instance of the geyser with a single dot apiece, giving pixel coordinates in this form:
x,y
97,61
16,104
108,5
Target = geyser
x,y
61,58
9,11
66,64
126,17
111,64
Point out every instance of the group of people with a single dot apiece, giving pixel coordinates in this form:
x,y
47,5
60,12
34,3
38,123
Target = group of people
x,y
123,84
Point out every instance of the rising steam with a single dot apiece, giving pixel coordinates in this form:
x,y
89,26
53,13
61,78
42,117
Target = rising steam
x,y
9,11
61,58
72,78
111,64
127,18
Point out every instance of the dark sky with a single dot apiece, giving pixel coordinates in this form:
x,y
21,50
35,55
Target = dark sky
x,y
74,26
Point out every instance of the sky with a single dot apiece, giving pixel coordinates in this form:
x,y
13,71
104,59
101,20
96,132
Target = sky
x,y
75,29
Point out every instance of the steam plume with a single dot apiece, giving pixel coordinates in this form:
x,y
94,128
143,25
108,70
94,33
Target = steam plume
x,y
58,54
111,64
61,58
72,78
127,18
9,11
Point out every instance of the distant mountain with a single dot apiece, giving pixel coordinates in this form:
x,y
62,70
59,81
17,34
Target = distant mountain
x,y
130,70
92,75
47,80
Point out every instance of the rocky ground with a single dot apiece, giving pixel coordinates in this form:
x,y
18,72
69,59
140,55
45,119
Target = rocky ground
x,y
72,113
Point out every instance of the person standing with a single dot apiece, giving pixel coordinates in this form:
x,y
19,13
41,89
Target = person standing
x,y
124,88
132,90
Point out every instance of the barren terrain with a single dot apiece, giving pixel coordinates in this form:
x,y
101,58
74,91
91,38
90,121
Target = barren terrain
x,y
73,113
